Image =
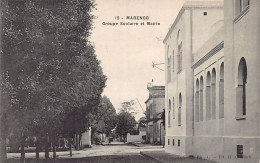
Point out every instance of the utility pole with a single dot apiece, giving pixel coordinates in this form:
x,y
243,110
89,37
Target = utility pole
x,y
154,65
140,105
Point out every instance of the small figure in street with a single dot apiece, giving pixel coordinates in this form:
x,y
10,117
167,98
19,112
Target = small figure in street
x,y
109,140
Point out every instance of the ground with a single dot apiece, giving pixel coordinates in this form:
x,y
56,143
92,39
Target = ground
x,y
116,152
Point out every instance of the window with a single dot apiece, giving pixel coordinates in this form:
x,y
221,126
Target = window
x,y
179,110
213,94
168,66
241,88
240,151
169,69
201,99
172,142
241,5
221,91
180,57
179,142
173,108
208,97
205,13
197,101
173,61
169,113
168,141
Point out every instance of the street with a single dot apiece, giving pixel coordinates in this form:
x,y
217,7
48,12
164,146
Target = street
x,y
116,152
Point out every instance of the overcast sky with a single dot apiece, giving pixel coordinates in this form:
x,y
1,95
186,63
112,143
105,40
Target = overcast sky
x,y
127,52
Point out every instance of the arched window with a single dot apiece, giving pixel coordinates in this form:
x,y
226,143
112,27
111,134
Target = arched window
x,y
173,108
241,5
213,94
180,57
169,113
201,98
169,69
221,91
168,65
197,101
173,61
241,88
208,97
179,110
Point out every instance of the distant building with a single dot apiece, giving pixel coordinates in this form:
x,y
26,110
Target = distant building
x,y
154,108
213,111
86,138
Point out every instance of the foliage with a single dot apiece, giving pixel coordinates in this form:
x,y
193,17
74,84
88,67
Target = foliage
x,y
105,117
126,123
127,106
142,122
50,71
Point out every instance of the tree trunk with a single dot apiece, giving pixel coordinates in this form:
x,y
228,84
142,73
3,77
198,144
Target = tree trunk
x,y
70,149
3,155
54,147
37,150
77,142
81,145
47,147
22,147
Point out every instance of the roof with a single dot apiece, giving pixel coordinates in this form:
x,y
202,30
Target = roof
x,y
191,5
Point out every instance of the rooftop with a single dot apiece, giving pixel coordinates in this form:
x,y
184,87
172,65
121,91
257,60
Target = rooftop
x,y
194,4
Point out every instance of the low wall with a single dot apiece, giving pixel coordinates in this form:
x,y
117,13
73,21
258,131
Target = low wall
x,y
135,138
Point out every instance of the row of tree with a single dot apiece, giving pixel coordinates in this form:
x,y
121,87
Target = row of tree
x,y
51,80
107,120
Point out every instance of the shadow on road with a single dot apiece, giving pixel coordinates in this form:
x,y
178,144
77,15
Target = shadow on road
x,y
98,159
126,144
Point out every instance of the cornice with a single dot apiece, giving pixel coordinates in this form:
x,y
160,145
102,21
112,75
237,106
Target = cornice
x,y
208,55
190,6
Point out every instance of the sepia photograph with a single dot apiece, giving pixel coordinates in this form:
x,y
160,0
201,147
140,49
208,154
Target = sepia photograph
x,y
129,81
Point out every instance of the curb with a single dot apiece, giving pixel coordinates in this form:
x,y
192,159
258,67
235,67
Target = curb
x,y
147,156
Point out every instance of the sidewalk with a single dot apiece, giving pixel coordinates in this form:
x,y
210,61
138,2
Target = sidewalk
x,y
163,157
139,144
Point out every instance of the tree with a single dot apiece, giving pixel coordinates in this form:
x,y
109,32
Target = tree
x,y
126,123
142,122
127,106
49,68
105,117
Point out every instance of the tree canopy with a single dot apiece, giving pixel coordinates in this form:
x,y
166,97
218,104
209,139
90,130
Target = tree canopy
x,y
105,115
49,67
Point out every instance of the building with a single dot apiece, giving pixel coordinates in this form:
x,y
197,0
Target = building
x,y
86,138
241,137
217,115
185,37
154,110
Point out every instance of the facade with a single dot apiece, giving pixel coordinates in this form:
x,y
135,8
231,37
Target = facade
x,y
212,109
154,108
193,26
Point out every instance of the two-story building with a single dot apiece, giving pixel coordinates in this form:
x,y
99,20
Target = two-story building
x,y
216,106
193,26
154,110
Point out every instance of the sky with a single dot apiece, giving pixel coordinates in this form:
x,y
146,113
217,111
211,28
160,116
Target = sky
x,y
127,52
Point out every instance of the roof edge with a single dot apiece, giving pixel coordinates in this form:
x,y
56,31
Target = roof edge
x,y
191,5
